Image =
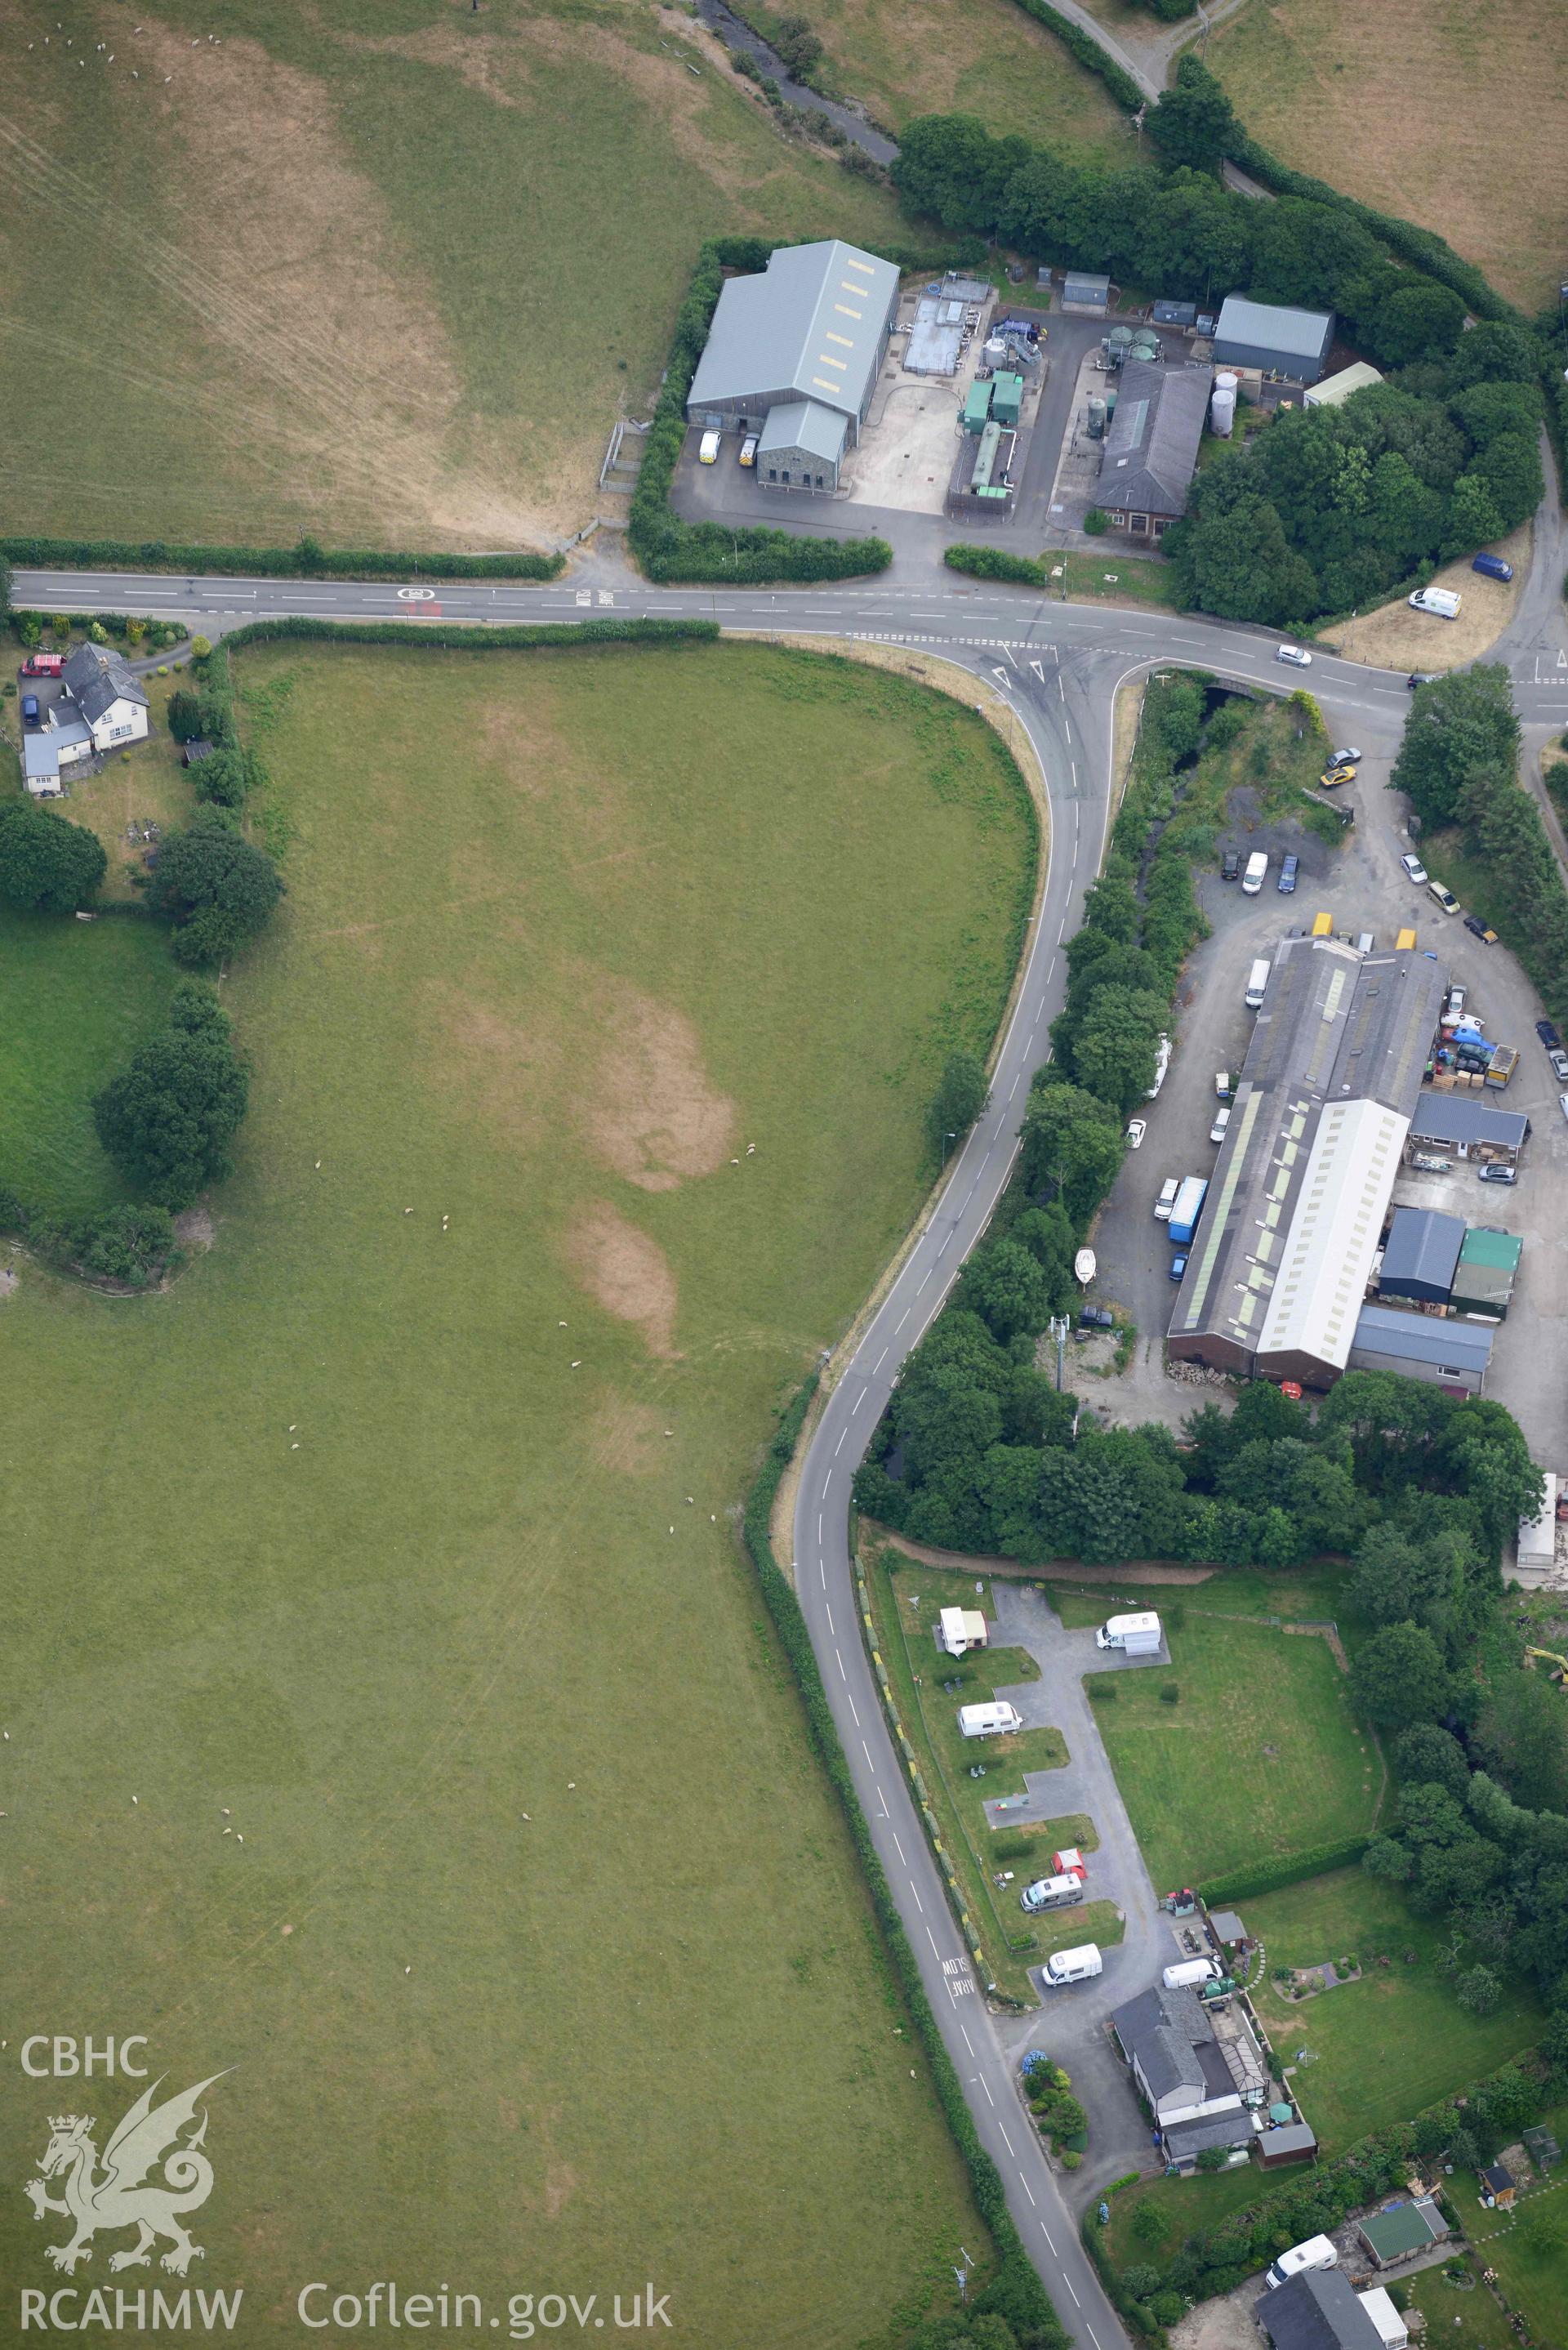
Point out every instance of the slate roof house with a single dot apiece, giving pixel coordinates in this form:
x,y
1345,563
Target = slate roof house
x,y
1150,450
1319,2309
111,702
1169,2041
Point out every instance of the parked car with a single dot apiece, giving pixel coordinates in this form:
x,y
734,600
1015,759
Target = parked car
x,y
29,710
1178,1262
1414,869
1445,898
1167,1200
1230,865
1351,758
1499,1175
1492,567
1298,659
1455,1002
1221,1120
1421,677
1473,922
1286,884
1332,777
1221,1084
1547,1031
1559,1063
1137,1128
1562,1104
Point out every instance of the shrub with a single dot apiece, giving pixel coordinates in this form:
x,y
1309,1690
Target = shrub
x,y
168,1119
1147,2227
995,563
1102,1691
200,648
216,888
130,1245
1095,523
185,716
46,863
1169,1693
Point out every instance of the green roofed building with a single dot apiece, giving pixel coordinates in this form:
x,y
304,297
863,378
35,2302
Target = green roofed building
x,y
1407,2228
1486,1273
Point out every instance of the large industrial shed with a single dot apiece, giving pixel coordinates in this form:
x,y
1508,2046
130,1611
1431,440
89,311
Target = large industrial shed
x,y
1272,339
807,333
1279,1270
1150,450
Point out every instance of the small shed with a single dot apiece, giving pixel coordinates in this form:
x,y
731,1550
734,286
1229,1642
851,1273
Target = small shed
x,y
959,1629
1543,2148
1421,1253
1497,2187
1335,389
196,749
1228,1928
977,407
1090,297
1289,2142
1182,315
1486,1271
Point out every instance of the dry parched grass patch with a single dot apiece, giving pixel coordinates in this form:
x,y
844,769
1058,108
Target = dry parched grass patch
x,y
626,1273
651,1113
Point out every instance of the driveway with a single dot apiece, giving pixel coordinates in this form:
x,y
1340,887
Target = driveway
x,y
1072,2025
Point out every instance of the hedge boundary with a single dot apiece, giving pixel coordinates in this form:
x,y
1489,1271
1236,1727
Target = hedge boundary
x,y
304,560
995,563
1017,2289
460,636
1294,1868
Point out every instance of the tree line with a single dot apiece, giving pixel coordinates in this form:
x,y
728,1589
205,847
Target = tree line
x,y
1458,763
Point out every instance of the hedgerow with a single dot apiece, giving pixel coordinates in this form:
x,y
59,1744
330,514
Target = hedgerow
x,y
1294,1868
306,559
992,563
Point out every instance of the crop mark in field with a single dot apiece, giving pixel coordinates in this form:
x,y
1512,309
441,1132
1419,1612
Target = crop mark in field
x,y
626,1272
624,1435
651,1112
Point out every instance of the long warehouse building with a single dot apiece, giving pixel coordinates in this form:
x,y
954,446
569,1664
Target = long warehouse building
x,y
1277,1275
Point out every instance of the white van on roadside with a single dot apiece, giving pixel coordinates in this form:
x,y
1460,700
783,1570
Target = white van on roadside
x,y
1257,869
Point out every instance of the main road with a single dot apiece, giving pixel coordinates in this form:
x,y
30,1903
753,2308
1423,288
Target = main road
x,y
1056,666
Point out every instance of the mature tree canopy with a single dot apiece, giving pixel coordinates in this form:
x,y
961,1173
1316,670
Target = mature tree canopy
x,y
216,886
45,862
961,1096
168,1119
1400,1678
1072,1147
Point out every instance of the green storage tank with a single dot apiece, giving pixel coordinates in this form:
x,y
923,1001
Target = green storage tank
x,y
1006,397
977,407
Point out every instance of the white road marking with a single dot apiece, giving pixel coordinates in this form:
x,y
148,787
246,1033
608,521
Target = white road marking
x,y
1045,2231
842,1674
854,1708
933,1939
903,1318
967,2040
915,1890
840,1446
822,1570
829,1614
1027,2189
866,1751
899,1847
985,2085
1006,2141
1068,2282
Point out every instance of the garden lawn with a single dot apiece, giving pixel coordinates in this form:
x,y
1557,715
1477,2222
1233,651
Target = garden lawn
x,y
1394,2042
1459,2320
397,1536
1533,2273
522,189
1011,1942
1262,1755
1185,2207
79,997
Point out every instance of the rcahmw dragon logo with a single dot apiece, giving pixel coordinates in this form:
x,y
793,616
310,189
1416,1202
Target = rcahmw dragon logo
x,y
123,2195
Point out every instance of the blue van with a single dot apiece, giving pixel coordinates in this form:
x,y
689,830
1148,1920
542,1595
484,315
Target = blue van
x,y
1492,567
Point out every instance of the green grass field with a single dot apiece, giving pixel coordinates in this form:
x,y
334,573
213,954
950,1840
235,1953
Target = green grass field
x,y
1395,2042
385,270
79,997
1260,1755
398,1535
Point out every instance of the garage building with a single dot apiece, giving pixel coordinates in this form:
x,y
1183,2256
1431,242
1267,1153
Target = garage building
x,y
1279,1267
1447,1352
1271,339
1335,389
1150,450
1487,1270
1420,1255
808,334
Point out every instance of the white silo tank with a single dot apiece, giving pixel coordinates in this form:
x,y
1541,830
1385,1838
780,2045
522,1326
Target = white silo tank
x,y
1222,406
995,353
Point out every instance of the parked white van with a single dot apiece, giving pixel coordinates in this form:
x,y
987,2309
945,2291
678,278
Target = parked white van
x,y
708,448
992,1721
1317,2252
1441,600
1074,1966
1257,869
1258,982
1052,1892
1189,1973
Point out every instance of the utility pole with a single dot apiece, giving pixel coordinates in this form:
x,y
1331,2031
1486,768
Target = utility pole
x,y
1059,1327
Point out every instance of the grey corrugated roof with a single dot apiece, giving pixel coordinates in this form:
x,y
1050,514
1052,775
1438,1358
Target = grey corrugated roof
x,y
1317,2310
1174,314
1422,1338
40,756
811,322
1077,286
804,424
1166,2030
1300,333
96,676
1460,1117
1423,1246
1183,2138
1289,2137
1151,448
